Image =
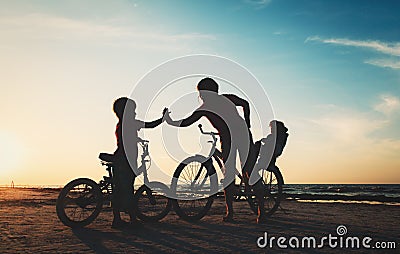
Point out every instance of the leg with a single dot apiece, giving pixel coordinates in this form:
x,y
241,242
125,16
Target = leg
x,y
249,154
229,158
131,210
127,200
259,193
116,206
123,194
228,192
117,217
116,200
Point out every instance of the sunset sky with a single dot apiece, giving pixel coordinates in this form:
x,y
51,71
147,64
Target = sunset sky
x,y
331,70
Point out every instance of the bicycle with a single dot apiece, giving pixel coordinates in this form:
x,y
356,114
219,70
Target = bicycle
x,y
195,184
81,200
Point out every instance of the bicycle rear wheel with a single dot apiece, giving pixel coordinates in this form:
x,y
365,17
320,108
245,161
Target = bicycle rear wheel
x,y
79,203
193,187
152,202
272,184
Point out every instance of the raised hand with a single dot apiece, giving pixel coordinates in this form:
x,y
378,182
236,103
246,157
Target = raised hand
x,y
166,116
165,111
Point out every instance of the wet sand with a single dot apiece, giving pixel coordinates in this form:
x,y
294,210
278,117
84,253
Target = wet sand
x,y
29,224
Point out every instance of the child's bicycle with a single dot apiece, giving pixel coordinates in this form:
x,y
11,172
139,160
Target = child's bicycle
x,y
81,200
195,183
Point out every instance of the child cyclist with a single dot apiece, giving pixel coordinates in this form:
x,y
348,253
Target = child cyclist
x,y
125,157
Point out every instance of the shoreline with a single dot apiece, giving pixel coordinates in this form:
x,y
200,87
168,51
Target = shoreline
x,y
310,198
29,224
341,197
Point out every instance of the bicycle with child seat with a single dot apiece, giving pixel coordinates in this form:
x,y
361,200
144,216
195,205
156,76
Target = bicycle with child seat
x,y
81,200
195,184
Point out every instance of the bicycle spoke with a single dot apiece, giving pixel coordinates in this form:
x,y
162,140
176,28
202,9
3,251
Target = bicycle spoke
x,y
272,184
79,202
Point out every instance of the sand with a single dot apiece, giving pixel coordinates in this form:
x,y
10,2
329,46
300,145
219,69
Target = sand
x,y
29,224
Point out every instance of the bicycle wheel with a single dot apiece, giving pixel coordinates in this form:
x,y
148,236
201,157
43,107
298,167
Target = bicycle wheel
x,y
193,187
272,182
79,203
152,202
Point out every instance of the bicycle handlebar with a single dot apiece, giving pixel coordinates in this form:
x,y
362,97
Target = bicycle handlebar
x,y
139,140
214,141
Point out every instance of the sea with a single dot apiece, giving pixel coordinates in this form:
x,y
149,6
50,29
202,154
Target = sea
x,y
354,193
388,194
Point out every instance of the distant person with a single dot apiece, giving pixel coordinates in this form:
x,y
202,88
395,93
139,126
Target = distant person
x,y
234,131
125,158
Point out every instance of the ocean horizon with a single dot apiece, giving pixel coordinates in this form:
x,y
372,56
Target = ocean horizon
x,y
355,193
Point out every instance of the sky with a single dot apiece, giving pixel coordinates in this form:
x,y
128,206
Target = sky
x,y
331,70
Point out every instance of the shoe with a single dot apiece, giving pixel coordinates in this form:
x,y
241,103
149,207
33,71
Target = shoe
x,y
261,219
228,218
119,224
135,223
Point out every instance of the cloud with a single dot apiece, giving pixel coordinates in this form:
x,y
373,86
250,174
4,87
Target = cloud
x,y
382,47
43,26
391,49
278,33
355,135
258,4
38,21
388,104
346,126
386,63
348,145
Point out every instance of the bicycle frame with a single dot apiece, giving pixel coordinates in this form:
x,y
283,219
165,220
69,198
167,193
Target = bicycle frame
x,y
106,184
214,153
217,155
270,183
151,202
145,153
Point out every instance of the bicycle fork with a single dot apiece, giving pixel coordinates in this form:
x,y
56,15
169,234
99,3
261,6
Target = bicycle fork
x,y
203,165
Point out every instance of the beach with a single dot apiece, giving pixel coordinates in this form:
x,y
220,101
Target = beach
x,y
29,224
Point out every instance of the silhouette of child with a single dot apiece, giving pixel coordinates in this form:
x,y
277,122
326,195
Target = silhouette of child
x,y
125,157
273,145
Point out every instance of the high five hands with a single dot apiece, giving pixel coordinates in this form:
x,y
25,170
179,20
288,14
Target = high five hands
x,y
166,116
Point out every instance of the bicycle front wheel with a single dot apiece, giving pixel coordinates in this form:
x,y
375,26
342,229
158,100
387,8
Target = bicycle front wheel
x,y
152,202
79,203
193,187
272,184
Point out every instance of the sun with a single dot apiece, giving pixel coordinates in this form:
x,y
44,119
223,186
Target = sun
x,y
11,152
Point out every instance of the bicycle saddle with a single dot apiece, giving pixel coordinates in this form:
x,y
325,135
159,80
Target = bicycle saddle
x,y
107,157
